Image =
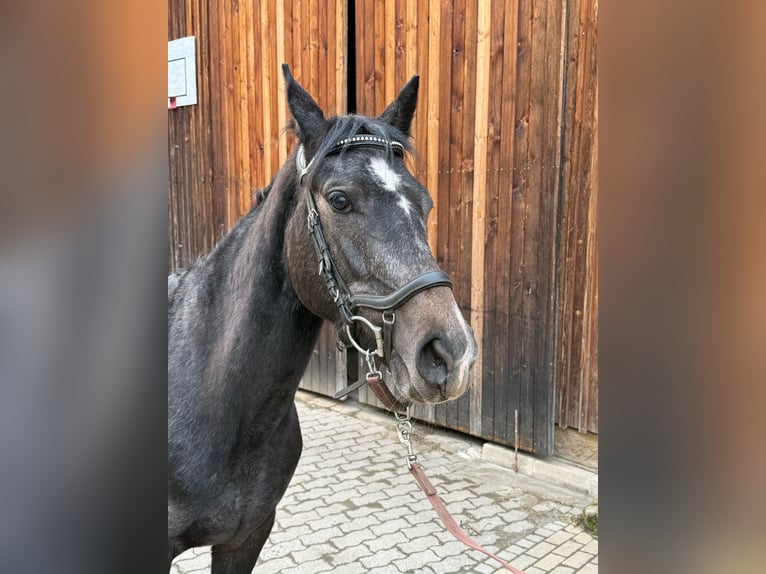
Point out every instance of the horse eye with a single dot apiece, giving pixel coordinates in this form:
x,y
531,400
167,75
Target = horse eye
x,y
339,201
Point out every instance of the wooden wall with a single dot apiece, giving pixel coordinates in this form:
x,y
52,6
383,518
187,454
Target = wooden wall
x,y
232,143
488,132
505,133
577,333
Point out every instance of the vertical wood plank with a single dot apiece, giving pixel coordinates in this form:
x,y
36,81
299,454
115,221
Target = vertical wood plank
x,y
365,98
314,74
455,191
218,97
379,49
331,58
442,167
507,221
399,72
207,151
470,418
303,45
267,78
543,157
389,46
411,40
478,390
519,325
341,51
295,39
421,134
494,321
576,369
283,26
432,158
324,79
531,287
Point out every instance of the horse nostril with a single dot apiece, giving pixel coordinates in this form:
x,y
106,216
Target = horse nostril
x,y
433,364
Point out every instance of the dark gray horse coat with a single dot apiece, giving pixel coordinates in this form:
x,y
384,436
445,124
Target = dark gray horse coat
x,y
242,323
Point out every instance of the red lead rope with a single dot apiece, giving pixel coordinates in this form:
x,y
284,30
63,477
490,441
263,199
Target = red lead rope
x,y
394,405
447,519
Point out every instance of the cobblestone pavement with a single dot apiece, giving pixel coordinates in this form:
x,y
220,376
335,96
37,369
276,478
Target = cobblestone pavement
x,y
353,508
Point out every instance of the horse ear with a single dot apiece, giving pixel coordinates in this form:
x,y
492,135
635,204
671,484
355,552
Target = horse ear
x,y
310,123
399,112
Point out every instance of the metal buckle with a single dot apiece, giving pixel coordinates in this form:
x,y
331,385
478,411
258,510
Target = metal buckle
x,y
404,430
376,331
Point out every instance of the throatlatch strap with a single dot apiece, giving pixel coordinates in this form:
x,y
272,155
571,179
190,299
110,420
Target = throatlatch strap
x,y
449,522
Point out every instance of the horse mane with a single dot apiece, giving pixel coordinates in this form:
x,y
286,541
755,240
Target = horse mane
x,y
261,194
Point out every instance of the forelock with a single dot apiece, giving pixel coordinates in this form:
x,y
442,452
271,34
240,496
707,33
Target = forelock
x,y
344,127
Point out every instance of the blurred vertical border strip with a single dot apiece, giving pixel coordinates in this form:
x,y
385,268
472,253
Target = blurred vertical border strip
x,y
83,235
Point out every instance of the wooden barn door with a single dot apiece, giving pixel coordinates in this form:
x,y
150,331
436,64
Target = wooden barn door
x,y
487,131
232,142
502,146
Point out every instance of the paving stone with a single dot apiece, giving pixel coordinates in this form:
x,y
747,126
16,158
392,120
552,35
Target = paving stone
x,y
350,568
313,566
353,538
591,547
353,508
382,558
194,562
549,561
417,544
416,561
275,566
396,525
350,554
315,552
567,548
588,569
359,523
583,537
577,560
523,561
518,527
540,549
323,535
386,541
559,537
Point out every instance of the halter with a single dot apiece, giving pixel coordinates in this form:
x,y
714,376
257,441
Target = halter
x,y
346,302
387,304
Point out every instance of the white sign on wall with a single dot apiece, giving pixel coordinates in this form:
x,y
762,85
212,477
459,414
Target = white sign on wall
x,y
182,72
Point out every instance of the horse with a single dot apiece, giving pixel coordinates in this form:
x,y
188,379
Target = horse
x,y
243,320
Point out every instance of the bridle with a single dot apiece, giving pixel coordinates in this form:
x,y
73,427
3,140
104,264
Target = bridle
x,y
347,302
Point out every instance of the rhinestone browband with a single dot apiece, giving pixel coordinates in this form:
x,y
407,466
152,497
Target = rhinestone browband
x,y
345,143
366,140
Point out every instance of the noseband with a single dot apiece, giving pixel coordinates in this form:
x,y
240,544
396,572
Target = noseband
x,y
347,302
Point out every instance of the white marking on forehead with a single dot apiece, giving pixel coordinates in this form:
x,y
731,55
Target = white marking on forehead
x,y
387,176
390,181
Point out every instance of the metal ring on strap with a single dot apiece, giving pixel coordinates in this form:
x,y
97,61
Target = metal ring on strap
x,y
377,331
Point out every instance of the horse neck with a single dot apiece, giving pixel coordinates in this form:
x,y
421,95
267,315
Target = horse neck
x,y
265,331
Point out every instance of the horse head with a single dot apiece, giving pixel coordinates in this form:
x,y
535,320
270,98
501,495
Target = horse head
x,y
367,217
